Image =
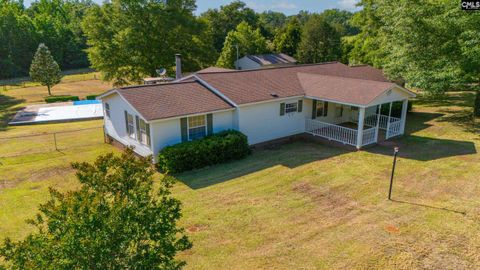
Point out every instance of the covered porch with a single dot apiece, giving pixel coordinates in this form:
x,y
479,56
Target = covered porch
x,y
357,126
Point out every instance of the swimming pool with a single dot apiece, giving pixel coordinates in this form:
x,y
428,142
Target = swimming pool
x,y
86,102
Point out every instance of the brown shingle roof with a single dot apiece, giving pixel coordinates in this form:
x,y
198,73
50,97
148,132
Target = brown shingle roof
x,y
214,70
249,86
347,90
173,99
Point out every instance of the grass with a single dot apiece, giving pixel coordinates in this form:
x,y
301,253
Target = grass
x,y
304,205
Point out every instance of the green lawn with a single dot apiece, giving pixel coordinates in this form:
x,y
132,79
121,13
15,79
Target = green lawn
x,y
304,205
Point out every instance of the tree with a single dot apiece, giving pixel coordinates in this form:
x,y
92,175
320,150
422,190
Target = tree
x,y
44,68
222,21
271,22
287,41
131,39
248,40
115,220
320,42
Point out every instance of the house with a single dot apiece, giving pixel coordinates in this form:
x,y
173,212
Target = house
x,y
264,61
329,100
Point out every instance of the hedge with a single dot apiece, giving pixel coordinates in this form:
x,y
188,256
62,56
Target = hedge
x,y
52,99
91,97
218,148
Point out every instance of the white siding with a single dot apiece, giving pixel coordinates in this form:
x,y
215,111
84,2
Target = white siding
x,y
168,132
246,63
393,95
115,124
262,122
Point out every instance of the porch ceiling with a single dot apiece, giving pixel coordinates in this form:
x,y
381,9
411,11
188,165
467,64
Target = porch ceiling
x,y
349,91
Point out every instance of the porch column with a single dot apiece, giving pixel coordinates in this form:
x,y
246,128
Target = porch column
x,y
388,120
361,120
378,122
404,116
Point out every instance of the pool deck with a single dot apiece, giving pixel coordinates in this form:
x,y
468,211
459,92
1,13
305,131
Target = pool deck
x,y
56,112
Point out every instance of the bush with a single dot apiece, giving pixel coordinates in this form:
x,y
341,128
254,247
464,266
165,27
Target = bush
x,y
91,97
52,99
218,148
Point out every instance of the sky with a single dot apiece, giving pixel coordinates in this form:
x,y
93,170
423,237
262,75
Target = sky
x,y
289,7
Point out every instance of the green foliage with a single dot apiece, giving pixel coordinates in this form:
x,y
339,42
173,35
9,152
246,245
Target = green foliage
x,y
248,40
224,20
214,149
44,68
132,39
271,23
91,97
320,41
115,220
287,41
52,99
53,22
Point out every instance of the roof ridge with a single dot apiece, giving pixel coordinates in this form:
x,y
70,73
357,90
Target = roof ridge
x,y
344,77
274,68
153,85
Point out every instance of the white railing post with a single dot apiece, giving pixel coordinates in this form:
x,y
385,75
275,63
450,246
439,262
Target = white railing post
x,y
403,118
361,120
378,122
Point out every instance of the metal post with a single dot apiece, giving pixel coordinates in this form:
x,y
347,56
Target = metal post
x,y
395,152
55,140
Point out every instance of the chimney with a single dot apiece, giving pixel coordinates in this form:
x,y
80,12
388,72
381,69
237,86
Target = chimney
x,y
178,66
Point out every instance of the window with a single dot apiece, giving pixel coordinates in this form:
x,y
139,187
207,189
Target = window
x,y
339,111
322,108
197,127
143,132
130,126
291,107
107,109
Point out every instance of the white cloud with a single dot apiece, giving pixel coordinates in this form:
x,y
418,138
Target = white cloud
x,y
348,4
275,5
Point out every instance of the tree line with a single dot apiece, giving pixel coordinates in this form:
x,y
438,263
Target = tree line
x,y
56,23
431,45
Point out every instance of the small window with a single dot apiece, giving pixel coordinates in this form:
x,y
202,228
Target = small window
x,y
291,107
339,111
143,131
130,126
107,109
197,127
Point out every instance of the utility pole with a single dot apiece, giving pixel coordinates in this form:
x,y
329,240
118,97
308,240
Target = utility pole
x,y
395,152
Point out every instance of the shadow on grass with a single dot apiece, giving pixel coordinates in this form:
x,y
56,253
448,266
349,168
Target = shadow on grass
x,y
7,110
460,99
430,206
290,155
417,121
424,148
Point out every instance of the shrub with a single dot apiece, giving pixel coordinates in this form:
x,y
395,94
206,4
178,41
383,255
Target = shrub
x,y
91,97
52,99
218,148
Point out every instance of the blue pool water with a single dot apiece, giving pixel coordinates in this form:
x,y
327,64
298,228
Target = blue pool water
x,y
86,102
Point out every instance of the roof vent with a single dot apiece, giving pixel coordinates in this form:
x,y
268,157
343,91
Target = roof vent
x,y
273,94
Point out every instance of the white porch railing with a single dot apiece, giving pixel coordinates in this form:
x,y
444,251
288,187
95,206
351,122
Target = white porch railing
x,y
332,132
368,136
394,129
371,121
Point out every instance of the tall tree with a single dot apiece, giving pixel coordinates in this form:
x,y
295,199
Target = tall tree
x,y
44,68
222,21
18,40
248,40
271,22
287,40
116,220
320,41
132,39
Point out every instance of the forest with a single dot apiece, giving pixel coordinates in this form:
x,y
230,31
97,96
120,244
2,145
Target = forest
x,y
430,45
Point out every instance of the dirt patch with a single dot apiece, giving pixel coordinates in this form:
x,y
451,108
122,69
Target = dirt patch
x,y
38,176
197,228
392,229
